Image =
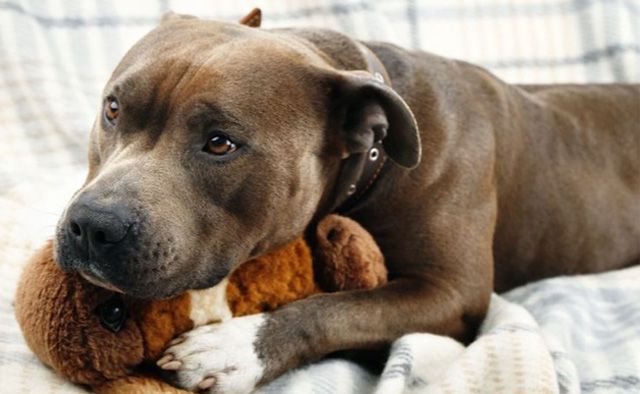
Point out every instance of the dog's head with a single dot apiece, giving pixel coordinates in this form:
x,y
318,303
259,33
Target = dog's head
x,y
215,143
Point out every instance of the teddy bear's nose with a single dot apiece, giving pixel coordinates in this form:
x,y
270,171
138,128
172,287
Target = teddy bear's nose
x,y
94,228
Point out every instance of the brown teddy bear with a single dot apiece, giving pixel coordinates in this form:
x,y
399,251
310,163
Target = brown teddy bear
x,y
109,341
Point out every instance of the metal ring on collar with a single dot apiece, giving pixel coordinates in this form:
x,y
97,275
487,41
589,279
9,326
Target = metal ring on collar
x,y
374,153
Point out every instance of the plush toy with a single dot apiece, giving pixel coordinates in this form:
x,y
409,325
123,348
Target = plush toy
x,y
109,341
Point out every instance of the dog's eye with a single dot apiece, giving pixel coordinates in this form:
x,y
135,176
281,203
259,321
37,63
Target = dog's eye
x,y
112,314
111,109
220,145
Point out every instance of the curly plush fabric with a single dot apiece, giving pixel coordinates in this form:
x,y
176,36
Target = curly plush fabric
x,y
161,320
252,288
347,257
138,384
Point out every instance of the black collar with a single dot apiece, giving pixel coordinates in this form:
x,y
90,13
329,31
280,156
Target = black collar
x,y
360,171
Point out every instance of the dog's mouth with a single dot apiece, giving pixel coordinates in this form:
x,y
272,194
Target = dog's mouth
x,y
95,278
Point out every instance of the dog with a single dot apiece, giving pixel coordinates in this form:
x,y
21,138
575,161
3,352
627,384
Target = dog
x,y
216,142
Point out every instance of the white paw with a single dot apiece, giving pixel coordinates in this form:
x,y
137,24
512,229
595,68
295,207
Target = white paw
x,y
218,357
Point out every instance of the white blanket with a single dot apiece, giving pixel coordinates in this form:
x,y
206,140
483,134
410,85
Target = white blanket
x,y
566,334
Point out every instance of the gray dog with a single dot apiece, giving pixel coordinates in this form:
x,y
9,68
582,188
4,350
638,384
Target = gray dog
x,y
219,142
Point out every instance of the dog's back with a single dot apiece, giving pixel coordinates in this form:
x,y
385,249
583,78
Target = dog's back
x,y
567,161
570,186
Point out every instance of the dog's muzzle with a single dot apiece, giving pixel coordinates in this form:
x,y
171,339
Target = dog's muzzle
x,y
93,236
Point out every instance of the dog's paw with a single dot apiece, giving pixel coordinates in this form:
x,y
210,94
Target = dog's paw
x,y
218,357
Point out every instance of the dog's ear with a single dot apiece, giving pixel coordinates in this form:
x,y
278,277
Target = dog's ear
x,y
371,111
253,18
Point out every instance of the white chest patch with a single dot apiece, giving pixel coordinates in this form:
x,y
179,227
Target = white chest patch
x,y
219,357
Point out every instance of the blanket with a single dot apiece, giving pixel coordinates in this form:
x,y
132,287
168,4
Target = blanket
x,y
567,335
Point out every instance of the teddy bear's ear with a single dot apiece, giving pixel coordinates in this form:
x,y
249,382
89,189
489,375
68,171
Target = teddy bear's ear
x,y
253,18
346,256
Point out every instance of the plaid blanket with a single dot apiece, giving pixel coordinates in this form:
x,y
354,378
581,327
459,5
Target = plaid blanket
x,y
561,335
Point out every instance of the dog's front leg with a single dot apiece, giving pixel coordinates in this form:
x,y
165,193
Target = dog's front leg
x,y
238,355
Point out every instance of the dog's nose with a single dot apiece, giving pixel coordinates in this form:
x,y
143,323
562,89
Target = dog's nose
x,y
95,229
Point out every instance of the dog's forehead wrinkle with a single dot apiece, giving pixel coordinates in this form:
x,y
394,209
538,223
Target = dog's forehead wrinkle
x,y
204,109
139,66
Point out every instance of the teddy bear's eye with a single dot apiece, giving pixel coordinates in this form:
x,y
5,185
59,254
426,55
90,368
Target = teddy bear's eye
x,y
112,314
